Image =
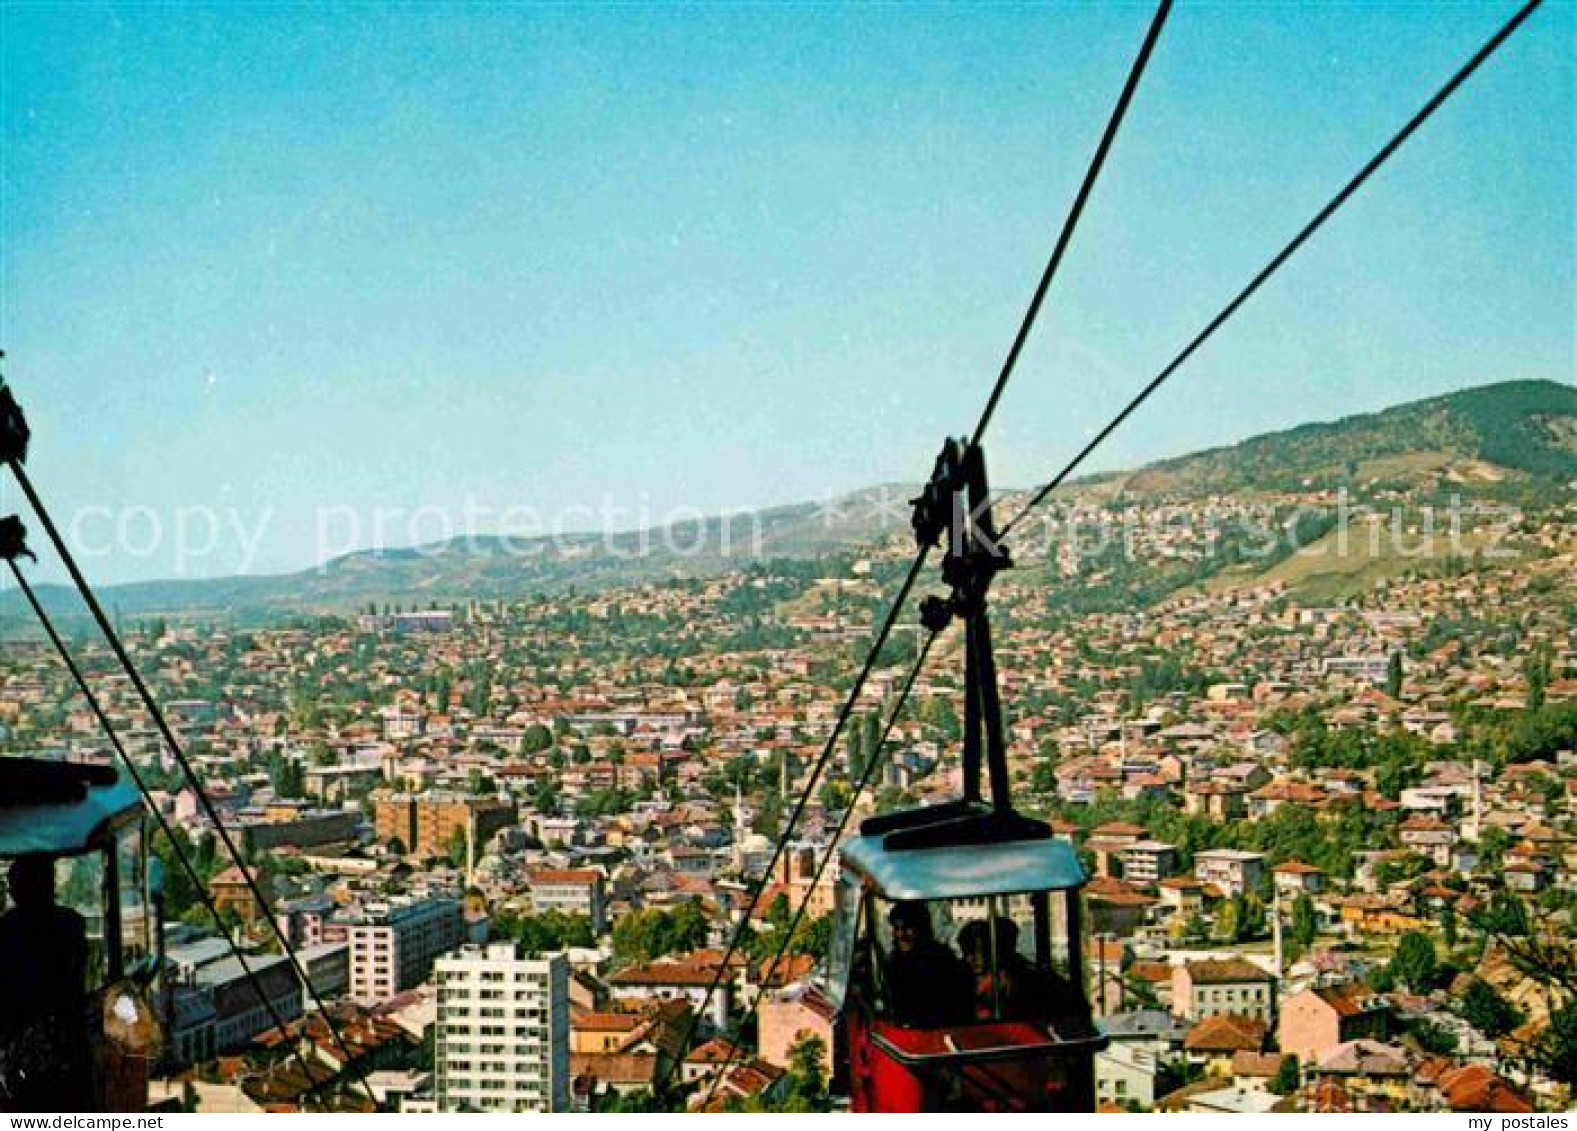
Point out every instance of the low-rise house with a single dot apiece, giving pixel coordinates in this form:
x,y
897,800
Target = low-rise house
x,y
1233,870
1319,1019
1295,878
1474,1087
1214,986
231,892
1125,1075
1375,1076
1218,800
1155,1029
1116,907
602,1031
1428,836
671,981
1183,896
1215,1040
1376,915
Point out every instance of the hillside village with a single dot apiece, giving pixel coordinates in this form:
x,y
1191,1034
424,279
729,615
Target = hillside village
x,y
1332,838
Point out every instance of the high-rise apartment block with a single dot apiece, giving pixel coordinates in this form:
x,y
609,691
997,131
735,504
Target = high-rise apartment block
x,y
503,1030
393,944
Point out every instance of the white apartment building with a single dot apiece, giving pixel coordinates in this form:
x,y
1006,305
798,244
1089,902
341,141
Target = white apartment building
x,y
1232,870
572,891
393,944
503,1030
1148,861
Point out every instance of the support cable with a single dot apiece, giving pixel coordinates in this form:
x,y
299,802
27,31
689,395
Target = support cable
x,y
1280,258
871,765
1065,237
152,706
799,809
164,825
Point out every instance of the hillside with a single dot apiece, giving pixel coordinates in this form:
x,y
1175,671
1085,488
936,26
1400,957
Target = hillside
x,y
1515,440
1483,435
493,568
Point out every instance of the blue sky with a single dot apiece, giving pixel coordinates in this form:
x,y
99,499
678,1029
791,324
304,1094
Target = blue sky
x,y
272,259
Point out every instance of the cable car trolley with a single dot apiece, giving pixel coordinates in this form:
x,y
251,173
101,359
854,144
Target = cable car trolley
x,y
956,964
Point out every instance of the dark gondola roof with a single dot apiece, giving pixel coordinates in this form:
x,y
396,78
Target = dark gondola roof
x,y
57,807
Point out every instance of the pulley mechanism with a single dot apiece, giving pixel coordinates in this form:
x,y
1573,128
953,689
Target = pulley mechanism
x,y
956,504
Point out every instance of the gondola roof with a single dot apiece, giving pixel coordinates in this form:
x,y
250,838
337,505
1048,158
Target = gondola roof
x,y
965,871
58,807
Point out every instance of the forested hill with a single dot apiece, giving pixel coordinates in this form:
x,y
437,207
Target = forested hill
x,y
1486,434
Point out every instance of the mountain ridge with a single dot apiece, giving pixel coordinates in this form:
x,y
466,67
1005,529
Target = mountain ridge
x,y
1496,438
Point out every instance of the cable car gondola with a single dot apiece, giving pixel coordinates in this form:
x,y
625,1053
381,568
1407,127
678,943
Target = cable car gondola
x,y
79,939
957,966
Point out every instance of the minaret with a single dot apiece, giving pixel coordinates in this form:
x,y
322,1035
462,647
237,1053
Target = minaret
x,y
1478,803
1275,931
470,847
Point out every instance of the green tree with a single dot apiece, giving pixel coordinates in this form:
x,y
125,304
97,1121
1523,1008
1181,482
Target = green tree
x,y
1448,924
1229,919
1414,964
1286,1080
1536,671
545,797
1487,1011
856,757
1505,917
1305,923
871,734
1252,922
536,739
180,896
1434,1039
292,779
457,849
546,932
1393,676
807,1082
641,936
1557,1050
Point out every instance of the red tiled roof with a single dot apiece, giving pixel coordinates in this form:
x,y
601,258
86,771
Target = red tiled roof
x,y
1120,828
1227,1032
715,1051
614,1068
564,876
1297,868
664,974
1246,1062
604,1021
1475,1088
1216,971
1156,972
1350,1000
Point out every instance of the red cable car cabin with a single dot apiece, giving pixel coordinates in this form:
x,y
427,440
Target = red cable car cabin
x,y
956,964
958,975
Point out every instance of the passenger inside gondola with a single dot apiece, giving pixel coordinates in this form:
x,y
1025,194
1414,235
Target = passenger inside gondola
x,y
927,984
43,972
1006,984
